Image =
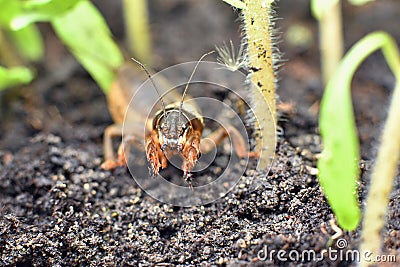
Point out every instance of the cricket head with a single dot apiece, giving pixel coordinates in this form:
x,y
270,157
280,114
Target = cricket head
x,y
173,129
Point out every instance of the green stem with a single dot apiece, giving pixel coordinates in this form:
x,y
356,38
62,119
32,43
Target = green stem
x,y
8,55
137,29
331,40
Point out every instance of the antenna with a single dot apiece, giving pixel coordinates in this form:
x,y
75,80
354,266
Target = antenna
x,y
187,85
154,85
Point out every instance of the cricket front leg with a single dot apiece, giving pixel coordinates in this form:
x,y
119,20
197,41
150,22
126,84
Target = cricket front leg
x,y
154,154
111,162
237,140
191,153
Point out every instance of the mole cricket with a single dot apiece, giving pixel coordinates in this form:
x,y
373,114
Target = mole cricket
x,y
174,129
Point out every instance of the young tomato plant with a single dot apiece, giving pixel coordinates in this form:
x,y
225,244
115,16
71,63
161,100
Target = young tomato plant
x,y
26,41
77,23
14,76
338,166
82,29
17,47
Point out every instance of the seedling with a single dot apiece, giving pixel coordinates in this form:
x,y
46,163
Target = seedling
x,y
14,76
89,39
82,29
26,39
77,23
17,47
338,166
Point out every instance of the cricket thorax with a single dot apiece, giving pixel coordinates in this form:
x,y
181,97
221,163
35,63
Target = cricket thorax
x,y
172,127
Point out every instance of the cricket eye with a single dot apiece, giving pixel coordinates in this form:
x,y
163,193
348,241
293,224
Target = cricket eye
x,y
163,147
181,128
164,127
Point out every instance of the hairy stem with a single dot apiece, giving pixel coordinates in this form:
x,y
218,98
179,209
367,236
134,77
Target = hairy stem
x,y
260,55
258,27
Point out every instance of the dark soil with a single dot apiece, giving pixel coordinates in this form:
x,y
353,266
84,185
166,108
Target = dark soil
x,y
58,208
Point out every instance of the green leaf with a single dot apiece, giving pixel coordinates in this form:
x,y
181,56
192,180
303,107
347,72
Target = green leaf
x,y
338,165
9,9
27,39
41,10
28,42
14,76
86,34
